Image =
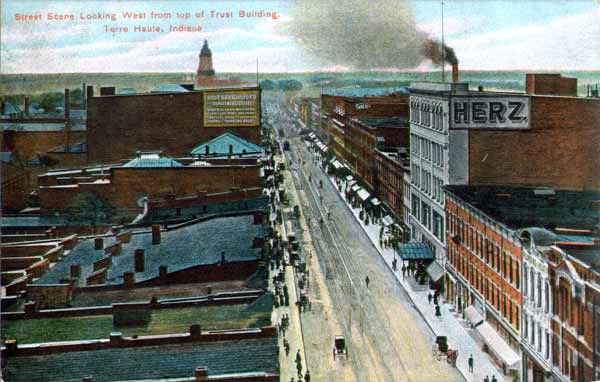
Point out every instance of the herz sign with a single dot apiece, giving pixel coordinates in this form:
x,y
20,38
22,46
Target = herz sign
x,y
489,112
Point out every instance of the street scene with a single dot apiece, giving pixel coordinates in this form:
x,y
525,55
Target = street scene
x,y
297,191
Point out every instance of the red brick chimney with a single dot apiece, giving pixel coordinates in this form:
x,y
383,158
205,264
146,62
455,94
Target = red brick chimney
x,y
26,105
201,374
455,72
138,260
155,234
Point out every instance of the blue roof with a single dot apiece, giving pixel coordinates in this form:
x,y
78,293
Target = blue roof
x,y
10,108
169,88
148,362
128,90
182,248
415,251
152,160
221,144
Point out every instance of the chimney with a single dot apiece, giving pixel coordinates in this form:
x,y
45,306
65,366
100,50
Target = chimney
x,y
155,234
163,271
98,243
206,149
201,374
26,105
89,378
455,72
2,107
29,307
75,271
128,279
11,346
230,150
223,260
90,91
115,337
138,261
195,331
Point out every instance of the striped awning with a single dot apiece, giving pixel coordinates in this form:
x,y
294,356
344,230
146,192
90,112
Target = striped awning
x,y
375,202
363,194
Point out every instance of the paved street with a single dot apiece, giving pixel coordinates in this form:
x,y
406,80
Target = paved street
x,y
387,339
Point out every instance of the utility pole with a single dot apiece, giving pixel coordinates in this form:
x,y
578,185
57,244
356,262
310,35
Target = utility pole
x,y
443,48
256,71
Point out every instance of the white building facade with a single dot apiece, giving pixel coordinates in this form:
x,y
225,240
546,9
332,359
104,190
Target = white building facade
x,y
438,156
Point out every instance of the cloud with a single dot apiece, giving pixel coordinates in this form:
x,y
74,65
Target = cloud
x,y
452,26
568,42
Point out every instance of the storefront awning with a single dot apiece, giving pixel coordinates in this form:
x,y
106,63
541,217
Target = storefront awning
x,y
375,202
336,164
363,194
387,220
415,251
355,188
312,135
435,271
473,316
498,346
349,178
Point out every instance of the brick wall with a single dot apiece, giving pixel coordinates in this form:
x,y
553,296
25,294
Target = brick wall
x,y
118,126
560,150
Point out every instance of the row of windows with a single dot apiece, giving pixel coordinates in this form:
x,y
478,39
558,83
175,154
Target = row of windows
x,y
486,287
532,331
427,115
485,248
433,221
533,289
428,183
427,149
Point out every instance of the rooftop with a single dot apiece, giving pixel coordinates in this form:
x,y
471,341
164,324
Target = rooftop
x,y
179,360
227,144
520,207
181,248
152,160
162,321
167,88
384,121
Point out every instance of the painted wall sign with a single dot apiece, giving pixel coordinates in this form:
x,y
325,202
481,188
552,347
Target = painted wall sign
x,y
231,108
506,112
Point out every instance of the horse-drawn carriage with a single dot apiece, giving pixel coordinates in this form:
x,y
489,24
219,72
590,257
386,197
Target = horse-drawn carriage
x,y
441,349
339,347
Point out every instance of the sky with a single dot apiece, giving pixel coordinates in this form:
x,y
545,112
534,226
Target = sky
x,y
486,35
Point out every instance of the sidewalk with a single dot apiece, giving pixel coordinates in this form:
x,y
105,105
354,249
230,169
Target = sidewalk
x,y
450,324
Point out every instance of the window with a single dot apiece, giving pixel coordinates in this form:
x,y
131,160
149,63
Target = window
x,y
539,336
539,291
546,297
525,326
547,345
525,280
438,226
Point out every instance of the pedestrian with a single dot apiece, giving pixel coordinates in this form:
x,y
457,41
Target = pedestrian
x,y
404,270
471,363
299,368
438,312
298,357
429,297
435,299
367,281
286,346
494,378
486,379
307,376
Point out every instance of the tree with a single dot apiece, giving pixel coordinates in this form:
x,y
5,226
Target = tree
x,y
88,207
267,85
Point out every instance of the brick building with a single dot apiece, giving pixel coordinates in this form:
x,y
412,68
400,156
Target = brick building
x,y
175,123
119,190
390,167
499,239
459,136
205,75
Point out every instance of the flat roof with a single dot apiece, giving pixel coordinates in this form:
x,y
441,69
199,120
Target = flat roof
x,y
148,362
520,207
181,248
384,121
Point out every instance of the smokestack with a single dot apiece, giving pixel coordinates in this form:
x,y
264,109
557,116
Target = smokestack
x,y
455,72
98,243
75,271
128,279
155,234
67,104
163,271
138,261
26,105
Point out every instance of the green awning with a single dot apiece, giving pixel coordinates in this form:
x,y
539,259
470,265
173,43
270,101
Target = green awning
x,y
415,251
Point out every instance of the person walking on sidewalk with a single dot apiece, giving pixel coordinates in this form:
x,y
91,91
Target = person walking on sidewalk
x,y
486,379
429,297
471,363
494,378
367,281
